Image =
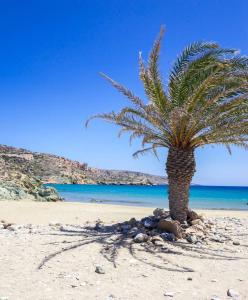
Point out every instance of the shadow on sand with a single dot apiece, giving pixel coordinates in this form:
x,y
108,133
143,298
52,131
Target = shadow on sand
x,y
112,241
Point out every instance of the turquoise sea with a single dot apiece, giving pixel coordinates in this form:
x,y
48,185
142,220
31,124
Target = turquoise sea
x,y
207,197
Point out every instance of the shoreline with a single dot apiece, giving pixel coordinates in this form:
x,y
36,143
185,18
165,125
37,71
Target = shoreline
x,y
132,204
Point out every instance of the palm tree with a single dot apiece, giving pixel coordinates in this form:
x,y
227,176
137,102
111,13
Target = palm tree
x,y
204,102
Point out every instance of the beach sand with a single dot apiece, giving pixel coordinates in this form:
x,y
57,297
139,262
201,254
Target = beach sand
x,y
180,270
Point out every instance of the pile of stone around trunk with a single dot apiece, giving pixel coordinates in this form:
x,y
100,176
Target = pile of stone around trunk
x,y
160,227
17,186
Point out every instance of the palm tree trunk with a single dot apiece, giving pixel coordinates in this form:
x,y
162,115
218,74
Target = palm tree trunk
x,y
180,169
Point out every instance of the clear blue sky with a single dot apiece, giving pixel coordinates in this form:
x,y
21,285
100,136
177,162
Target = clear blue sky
x,y
50,56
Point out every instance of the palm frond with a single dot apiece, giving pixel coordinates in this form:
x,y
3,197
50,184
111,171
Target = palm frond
x,y
205,101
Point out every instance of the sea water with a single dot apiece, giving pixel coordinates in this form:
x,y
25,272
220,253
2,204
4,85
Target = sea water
x,y
205,197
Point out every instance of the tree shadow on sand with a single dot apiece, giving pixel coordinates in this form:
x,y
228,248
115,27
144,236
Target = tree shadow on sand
x,y
112,241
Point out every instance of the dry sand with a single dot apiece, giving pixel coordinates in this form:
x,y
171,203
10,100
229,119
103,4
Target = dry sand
x,y
181,270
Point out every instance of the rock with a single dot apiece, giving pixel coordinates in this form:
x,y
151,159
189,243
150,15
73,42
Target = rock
x,y
215,298
171,226
140,238
217,239
198,227
236,243
232,293
192,215
133,232
160,213
159,243
157,240
185,225
132,222
1,226
168,236
214,280
13,227
99,225
6,225
110,297
47,193
189,278
149,223
17,186
169,294
197,222
63,228
99,270
53,224
191,239
195,230
125,228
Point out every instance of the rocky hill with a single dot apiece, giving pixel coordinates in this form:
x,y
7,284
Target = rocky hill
x,y
48,168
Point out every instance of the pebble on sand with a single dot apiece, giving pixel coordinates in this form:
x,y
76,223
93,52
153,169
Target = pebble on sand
x,y
232,293
169,294
99,270
236,243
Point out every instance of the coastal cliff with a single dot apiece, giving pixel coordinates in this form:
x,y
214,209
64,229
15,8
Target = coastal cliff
x,y
26,171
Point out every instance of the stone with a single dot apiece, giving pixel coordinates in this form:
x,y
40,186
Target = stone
x,y
185,225
171,226
132,222
189,278
99,270
149,223
197,222
125,228
133,231
157,240
236,243
48,193
191,239
198,227
217,239
62,228
194,230
168,236
6,225
99,225
13,227
169,294
160,212
110,297
159,243
1,226
140,238
215,298
53,224
232,293
192,215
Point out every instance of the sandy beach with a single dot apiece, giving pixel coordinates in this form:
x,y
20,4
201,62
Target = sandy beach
x,y
175,271
26,212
